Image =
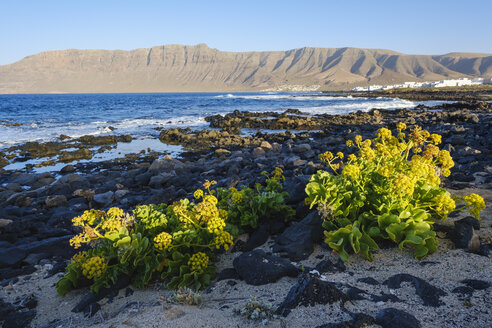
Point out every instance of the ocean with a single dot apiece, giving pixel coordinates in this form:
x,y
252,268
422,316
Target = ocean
x,y
45,117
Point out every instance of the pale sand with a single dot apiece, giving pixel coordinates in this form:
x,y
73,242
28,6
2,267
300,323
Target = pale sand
x,y
217,309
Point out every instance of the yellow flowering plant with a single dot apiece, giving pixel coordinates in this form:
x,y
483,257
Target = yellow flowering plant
x,y
388,189
247,206
172,242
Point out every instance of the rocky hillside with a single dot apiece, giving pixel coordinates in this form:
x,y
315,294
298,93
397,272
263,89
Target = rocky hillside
x,y
175,68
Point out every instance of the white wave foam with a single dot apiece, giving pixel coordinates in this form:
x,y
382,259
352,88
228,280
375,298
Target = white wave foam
x,y
362,106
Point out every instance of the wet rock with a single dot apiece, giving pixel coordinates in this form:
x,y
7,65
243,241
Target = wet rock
x,y
258,152
220,152
19,319
257,238
14,187
5,309
228,273
92,309
8,273
11,257
258,268
91,298
296,188
34,258
52,246
266,145
328,266
428,293
309,291
301,148
464,235
104,199
162,165
24,179
67,169
4,222
120,193
297,241
391,318
143,179
56,201
476,284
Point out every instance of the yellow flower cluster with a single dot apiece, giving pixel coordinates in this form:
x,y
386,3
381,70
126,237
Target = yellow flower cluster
x,y
385,171
351,170
223,238
198,194
417,135
326,156
207,184
88,218
206,210
215,225
446,161
162,241
237,196
423,169
476,202
77,240
384,134
435,139
403,185
112,224
431,151
401,126
444,204
115,212
80,258
367,153
198,262
94,267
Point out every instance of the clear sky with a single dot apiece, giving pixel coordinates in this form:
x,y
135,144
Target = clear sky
x,y
412,26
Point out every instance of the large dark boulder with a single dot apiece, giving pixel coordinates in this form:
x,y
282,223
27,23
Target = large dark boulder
x,y
309,291
258,268
297,241
11,257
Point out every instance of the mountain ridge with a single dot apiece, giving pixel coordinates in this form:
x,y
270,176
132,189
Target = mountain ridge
x,y
182,68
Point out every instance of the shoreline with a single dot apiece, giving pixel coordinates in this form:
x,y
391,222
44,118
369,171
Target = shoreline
x,y
37,209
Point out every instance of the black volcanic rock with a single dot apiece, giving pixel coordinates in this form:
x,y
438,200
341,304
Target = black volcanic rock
x,y
258,268
309,291
297,241
428,293
392,318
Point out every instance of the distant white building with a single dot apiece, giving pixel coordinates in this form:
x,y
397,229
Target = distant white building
x,y
436,84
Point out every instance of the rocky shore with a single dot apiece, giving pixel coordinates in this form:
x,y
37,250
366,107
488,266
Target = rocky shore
x,y
462,93
36,212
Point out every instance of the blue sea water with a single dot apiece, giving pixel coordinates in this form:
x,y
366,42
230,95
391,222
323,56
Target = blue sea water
x,y
45,117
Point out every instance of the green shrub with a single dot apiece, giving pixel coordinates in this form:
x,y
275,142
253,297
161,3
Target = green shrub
x,y
247,206
384,192
157,241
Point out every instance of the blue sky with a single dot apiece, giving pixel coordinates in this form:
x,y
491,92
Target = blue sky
x,y
416,27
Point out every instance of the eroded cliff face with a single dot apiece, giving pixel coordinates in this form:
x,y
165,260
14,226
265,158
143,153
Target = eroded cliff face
x,y
178,68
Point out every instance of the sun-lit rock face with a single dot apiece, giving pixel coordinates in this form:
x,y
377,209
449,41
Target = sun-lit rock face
x,y
179,68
